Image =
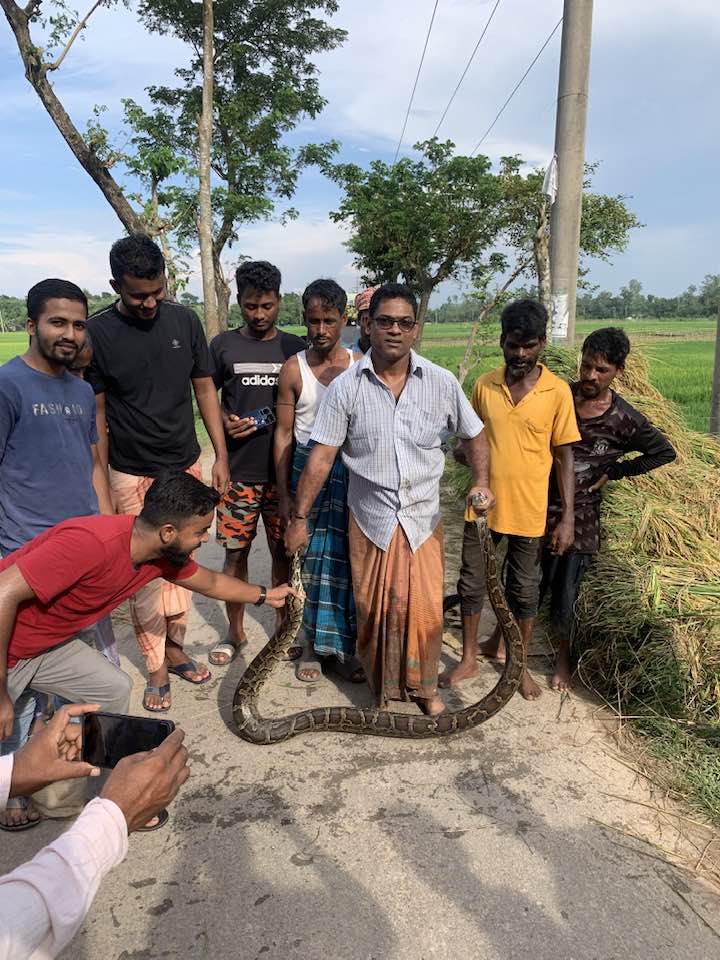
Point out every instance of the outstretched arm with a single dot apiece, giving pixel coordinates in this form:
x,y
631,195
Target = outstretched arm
x,y
315,473
209,407
218,586
477,455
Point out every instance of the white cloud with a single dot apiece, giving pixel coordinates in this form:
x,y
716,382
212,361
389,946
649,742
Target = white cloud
x,y
71,254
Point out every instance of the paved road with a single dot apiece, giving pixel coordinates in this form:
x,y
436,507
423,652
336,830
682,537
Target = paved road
x,y
516,840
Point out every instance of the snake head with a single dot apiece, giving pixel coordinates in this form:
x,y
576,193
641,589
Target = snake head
x,y
478,501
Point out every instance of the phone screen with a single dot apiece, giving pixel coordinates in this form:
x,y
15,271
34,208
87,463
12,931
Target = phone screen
x,y
108,737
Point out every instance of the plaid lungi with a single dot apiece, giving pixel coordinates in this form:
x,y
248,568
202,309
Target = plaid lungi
x,y
329,616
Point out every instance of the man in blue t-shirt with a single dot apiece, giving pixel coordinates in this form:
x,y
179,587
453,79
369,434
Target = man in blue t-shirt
x,y
50,469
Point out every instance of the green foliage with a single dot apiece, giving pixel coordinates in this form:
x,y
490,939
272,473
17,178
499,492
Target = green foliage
x,y
632,302
425,220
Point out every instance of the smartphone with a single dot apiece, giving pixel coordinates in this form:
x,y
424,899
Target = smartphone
x,y
108,737
263,417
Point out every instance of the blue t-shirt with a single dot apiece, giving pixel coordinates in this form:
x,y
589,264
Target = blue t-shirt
x,y
47,425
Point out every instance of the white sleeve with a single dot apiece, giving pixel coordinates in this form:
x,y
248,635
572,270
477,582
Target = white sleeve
x,y
44,902
6,769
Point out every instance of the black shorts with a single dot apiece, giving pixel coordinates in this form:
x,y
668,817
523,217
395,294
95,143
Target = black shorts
x,y
561,577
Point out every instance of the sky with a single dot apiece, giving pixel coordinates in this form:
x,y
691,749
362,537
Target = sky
x,y
653,126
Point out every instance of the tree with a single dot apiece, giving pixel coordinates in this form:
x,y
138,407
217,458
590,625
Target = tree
x,y
425,220
205,128
265,82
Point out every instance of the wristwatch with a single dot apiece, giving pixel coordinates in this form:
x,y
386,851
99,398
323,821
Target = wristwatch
x,y
262,598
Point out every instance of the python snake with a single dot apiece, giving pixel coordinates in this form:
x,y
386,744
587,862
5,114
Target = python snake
x,y
368,720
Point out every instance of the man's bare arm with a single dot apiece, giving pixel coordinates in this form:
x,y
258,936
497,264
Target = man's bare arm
x,y
209,407
315,473
218,586
288,392
564,463
477,456
14,590
101,483
102,430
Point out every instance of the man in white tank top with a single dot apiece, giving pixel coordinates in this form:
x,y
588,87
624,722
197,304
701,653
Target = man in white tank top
x,y
329,617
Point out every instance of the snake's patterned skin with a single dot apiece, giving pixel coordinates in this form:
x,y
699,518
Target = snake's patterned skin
x,y
370,721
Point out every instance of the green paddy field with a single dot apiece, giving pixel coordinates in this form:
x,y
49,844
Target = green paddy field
x,y
681,356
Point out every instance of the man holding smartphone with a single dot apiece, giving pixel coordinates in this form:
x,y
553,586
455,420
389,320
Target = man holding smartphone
x,y
247,367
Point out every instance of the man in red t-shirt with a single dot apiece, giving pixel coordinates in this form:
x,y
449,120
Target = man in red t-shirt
x,y
78,571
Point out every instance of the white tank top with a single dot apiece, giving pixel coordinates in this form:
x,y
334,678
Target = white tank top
x,y
310,398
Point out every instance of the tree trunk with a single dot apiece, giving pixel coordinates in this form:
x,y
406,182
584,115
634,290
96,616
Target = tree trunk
x,y
36,73
421,314
222,293
210,298
541,252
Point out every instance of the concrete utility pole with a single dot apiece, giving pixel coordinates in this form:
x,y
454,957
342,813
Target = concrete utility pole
x,y
715,404
570,151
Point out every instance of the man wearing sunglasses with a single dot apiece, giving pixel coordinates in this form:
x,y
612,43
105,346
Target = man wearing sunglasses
x,y
388,415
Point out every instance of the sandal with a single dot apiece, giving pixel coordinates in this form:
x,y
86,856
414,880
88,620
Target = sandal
x,y
294,652
352,671
227,649
161,691
163,817
20,803
183,669
307,666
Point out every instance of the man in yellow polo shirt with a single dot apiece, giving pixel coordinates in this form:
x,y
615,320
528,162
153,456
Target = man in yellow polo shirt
x,y
529,417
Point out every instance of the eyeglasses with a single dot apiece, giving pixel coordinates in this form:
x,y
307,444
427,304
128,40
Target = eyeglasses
x,y
405,324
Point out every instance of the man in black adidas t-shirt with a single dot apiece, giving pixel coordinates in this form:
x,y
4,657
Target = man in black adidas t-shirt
x,y
609,428
150,356
247,364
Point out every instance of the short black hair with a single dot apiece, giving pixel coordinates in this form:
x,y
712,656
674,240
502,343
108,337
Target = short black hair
x,y
136,256
393,291
528,318
52,289
329,292
258,275
175,497
609,342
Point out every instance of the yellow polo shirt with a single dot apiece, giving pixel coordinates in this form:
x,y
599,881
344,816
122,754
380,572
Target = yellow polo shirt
x,y
521,442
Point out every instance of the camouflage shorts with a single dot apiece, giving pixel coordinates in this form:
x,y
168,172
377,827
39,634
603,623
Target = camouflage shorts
x,y
239,510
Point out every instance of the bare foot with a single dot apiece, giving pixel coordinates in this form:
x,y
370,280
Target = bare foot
x,y
430,706
528,688
493,648
561,679
463,671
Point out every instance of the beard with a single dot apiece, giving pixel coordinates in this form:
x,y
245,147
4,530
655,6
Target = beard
x,y
178,558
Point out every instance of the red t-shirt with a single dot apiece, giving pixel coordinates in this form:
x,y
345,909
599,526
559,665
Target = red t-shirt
x,y
79,570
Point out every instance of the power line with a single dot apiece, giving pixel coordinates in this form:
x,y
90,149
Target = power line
x,y
516,88
467,67
417,77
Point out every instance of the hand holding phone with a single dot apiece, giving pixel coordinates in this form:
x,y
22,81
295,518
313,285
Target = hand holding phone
x,y
109,737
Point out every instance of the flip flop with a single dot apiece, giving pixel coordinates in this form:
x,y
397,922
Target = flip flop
x,y
226,649
183,669
352,671
308,665
163,817
19,803
161,691
295,651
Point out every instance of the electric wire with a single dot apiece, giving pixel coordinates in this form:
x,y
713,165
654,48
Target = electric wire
x,y
516,88
417,77
467,67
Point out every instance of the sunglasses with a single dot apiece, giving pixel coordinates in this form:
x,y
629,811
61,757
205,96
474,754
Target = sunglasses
x,y
405,324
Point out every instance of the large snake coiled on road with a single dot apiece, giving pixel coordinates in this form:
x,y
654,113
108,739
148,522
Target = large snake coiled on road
x,y
368,720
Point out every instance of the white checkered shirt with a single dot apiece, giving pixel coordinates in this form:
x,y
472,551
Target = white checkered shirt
x,y
392,450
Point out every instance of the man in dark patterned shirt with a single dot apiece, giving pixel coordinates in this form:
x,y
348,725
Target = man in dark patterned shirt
x,y
609,428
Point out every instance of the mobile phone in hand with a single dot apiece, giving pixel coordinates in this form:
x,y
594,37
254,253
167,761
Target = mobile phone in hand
x,y
263,417
108,737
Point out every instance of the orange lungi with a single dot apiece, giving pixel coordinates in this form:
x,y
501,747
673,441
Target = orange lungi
x,y
399,597
160,609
